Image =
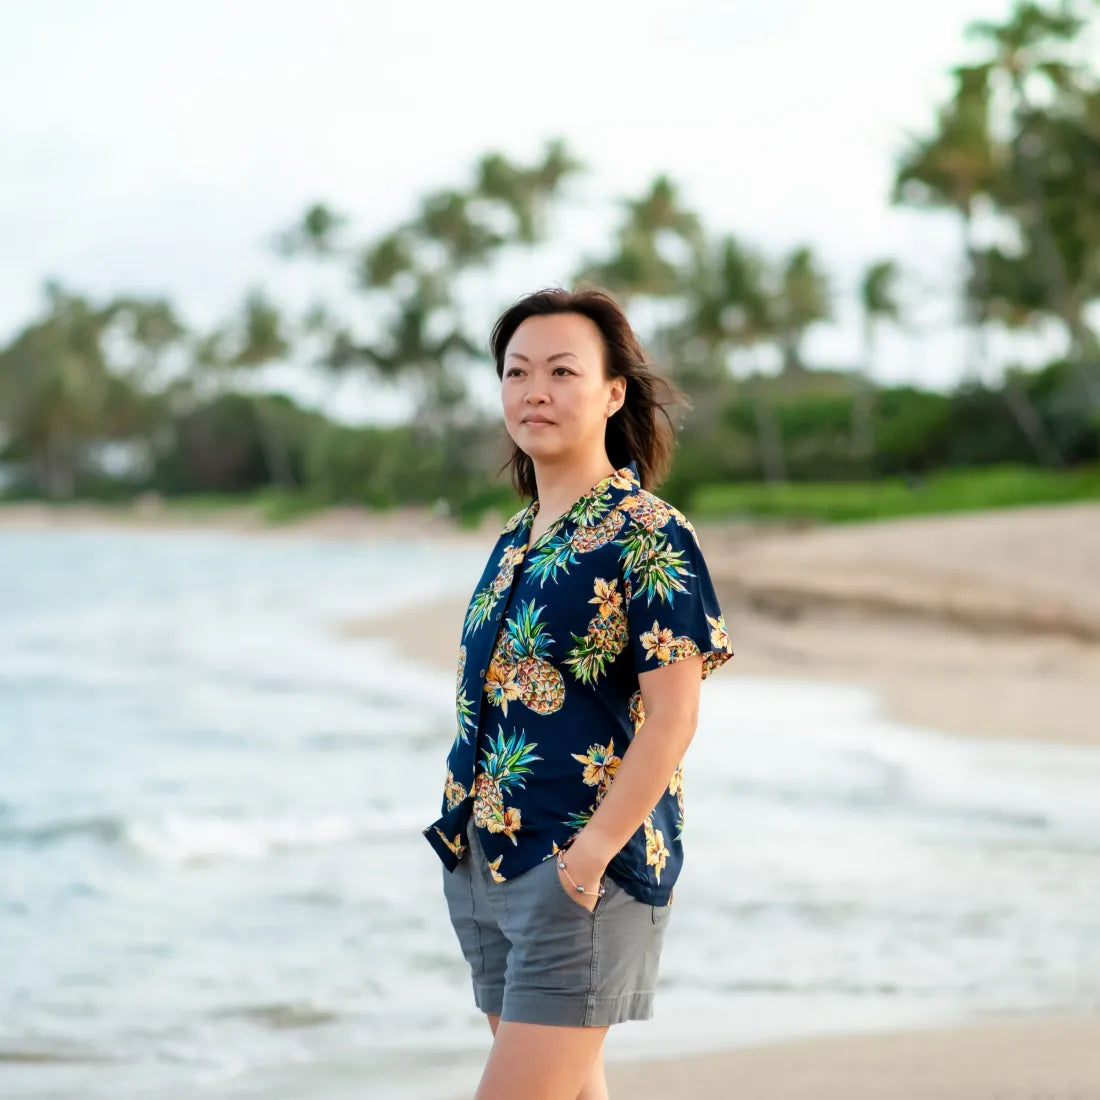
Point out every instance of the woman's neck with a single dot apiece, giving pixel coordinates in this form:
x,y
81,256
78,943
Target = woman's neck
x,y
560,486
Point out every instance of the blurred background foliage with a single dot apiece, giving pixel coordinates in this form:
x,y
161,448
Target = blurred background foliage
x,y
112,400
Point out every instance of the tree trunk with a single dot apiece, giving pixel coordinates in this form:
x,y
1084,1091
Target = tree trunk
x,y
769,439
276,452
1020,405
1031,424
863,402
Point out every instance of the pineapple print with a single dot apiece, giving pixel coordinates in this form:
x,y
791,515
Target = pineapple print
x,y
646,510
514,522
684,522
606,637
637,710
586,538
593,506
485,599
658,570
550,556
488,800
506,761
656,854
541,686
660,645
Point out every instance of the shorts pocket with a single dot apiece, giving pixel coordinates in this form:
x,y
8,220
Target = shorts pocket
x,y
571,895
661,913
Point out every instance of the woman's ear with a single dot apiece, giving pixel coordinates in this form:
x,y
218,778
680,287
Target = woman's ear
x,y
617,396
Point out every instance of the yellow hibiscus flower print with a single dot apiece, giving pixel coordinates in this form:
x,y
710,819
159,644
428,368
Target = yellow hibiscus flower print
x,y
607,598
494,870
501,685
656,854
719,638
455,845
676,783
512,823
600,764
658,643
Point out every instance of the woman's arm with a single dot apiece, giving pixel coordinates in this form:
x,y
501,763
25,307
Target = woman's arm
x,y
670,696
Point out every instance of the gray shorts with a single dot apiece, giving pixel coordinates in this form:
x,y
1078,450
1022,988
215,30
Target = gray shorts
x,y
538,957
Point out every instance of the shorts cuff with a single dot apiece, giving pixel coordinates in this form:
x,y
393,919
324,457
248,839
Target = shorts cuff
x,y
539,1008
489,999
604,1011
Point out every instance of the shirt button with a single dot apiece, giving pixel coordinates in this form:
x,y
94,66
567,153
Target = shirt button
x,y
482,673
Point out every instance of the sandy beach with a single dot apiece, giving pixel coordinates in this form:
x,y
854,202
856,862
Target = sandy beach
x,y
1052,1059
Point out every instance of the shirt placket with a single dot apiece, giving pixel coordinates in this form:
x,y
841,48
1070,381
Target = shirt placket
x,y
504,608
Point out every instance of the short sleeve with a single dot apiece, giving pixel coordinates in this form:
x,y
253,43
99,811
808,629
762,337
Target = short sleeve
x,y
672,608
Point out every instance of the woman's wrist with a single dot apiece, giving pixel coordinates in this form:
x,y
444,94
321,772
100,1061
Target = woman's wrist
x,y
593,846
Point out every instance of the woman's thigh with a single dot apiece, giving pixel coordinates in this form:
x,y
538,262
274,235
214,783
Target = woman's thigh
x,y
539,1062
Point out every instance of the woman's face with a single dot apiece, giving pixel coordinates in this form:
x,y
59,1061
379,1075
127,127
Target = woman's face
x,y
556,398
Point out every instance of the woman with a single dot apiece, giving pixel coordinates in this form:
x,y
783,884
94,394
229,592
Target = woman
x,y
562,811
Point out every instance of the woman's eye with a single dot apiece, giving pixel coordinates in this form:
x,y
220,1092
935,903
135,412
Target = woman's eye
x,y
564,370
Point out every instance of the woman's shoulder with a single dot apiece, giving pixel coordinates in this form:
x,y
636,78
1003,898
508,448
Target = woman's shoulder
x,y
646,510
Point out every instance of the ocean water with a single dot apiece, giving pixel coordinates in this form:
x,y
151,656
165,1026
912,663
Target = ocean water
x,y
213,884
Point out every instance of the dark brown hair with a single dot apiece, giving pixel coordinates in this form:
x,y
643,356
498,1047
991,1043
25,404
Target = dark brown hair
x,y
642,430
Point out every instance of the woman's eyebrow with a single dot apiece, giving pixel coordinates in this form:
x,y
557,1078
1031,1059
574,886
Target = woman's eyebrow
x,y
549,358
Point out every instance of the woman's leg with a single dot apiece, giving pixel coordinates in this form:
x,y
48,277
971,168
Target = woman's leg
x,y
533,1079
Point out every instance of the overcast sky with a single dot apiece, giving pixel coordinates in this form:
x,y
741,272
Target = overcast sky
x,y
155,147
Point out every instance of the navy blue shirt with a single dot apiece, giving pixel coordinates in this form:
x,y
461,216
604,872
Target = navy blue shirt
x,y
548,701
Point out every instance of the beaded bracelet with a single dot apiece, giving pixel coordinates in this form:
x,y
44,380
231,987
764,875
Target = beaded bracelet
x,y
576,885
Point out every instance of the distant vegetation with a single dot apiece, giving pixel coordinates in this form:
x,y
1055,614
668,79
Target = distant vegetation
x,y
108,400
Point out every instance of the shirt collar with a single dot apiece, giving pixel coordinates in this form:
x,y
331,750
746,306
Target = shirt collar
x,y
592,507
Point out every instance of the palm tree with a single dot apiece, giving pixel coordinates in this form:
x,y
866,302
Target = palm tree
x,y
261,341
316,233
802,300
954,167
58,398
525,193
1032,52
657,244
729,310
878,301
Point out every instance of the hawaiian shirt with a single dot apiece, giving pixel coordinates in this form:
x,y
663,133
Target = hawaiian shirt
x,y
547,696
